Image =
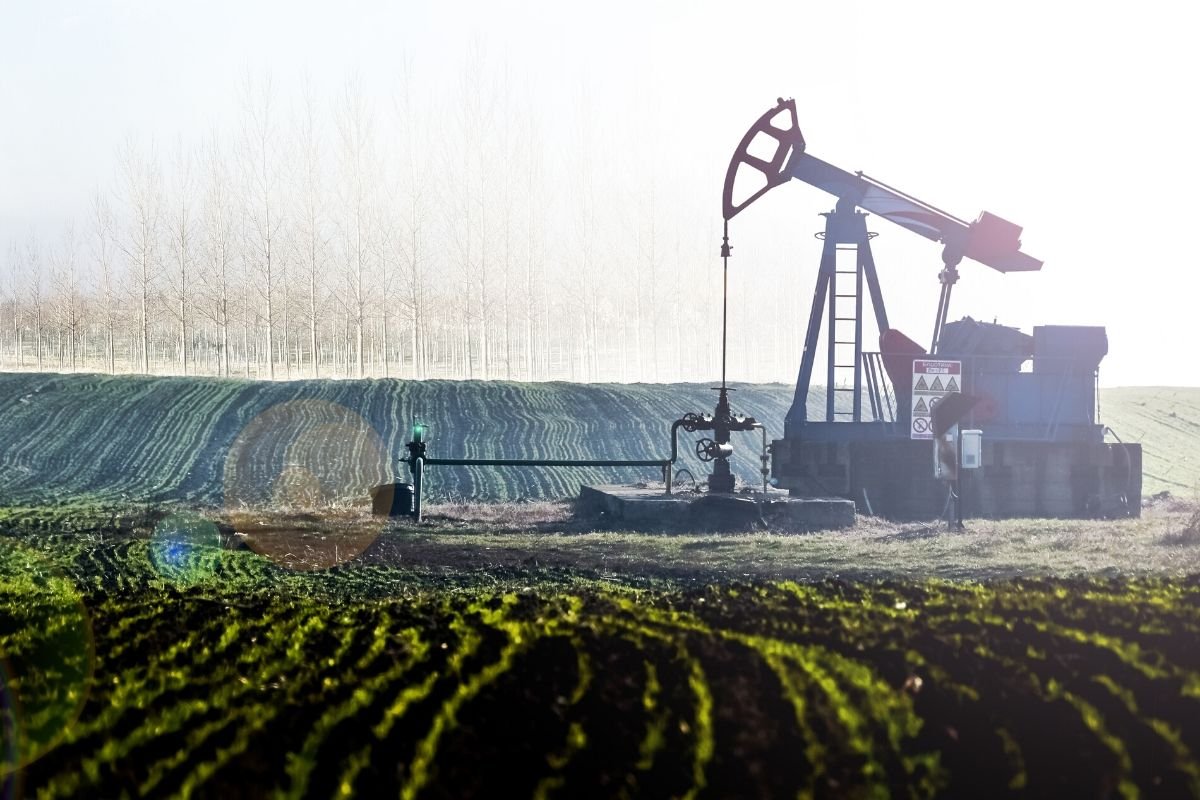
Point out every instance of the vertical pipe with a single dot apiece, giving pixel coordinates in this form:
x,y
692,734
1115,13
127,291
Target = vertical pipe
x,y
958,479
418,467
764,458
724,299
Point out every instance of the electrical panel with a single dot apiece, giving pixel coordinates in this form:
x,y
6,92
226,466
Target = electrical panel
x,y
972,449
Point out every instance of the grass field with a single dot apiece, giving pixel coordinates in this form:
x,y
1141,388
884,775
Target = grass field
x,y
215,442
149,666
1167,422
186,627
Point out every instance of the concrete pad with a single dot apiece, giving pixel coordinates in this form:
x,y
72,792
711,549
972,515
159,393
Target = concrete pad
x,y
647,507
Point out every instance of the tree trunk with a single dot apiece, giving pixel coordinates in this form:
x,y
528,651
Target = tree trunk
x,y
287,349
312,317
224,365
384,337
37,338
270,322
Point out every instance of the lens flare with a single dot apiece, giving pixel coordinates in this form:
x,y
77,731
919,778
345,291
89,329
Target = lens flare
x,y
184,548
297,483
47,657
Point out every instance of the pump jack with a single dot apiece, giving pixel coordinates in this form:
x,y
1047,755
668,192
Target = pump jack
x,y
1045,418
989,240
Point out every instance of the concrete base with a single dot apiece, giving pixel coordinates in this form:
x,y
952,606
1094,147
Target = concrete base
x,y
652,508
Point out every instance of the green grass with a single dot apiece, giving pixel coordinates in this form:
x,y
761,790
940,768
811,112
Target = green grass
x,y
209,442
204,671
161,634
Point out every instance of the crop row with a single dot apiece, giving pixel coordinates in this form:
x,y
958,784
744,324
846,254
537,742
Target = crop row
x,y
298,689
217,442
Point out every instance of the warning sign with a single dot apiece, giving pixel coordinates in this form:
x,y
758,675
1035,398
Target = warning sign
x,y
932,380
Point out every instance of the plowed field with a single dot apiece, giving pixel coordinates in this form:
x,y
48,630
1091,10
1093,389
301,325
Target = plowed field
x,y
133,668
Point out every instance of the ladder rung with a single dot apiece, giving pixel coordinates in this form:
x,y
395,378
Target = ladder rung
x,y
843,366
845,295
845,319
846,271
847,389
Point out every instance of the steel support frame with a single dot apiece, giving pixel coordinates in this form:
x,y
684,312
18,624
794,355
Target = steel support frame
x,y
843,226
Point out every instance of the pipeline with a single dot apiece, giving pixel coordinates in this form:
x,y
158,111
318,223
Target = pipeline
x,y
417,461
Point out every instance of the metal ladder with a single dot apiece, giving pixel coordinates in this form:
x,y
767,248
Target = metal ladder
x,y
844,375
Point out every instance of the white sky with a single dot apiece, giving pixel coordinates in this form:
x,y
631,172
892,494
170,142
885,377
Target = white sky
x,y
1077,121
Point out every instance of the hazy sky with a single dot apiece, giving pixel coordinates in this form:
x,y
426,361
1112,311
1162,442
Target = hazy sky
x,y
1076,121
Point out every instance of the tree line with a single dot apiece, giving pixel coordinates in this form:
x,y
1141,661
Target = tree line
x,y
351,237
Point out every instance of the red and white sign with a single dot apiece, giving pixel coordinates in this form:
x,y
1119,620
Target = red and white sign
x,y
931,381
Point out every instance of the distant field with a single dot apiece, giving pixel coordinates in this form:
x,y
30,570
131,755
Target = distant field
x,y
209,442
1167,423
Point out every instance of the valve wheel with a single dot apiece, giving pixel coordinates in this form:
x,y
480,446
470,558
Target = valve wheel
x,y
691,421
705,448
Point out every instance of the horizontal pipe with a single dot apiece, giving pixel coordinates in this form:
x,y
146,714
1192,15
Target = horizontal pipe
x,y
535,462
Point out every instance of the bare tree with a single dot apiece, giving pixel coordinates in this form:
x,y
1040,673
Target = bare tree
x,y
389,249
311,240
9,298
468,170
586,231
413,241
35,289
67,300
477,122
504,161
262,164
535,298
646,275
216,275
357,157
180,226
459,232
142,196
105,276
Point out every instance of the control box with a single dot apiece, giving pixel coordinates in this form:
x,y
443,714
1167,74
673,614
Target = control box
x,y
972,449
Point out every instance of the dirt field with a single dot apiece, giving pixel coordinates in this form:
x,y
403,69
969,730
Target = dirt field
x,y
514,650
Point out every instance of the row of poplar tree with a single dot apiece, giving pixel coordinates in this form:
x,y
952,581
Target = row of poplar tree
x,y
347,236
